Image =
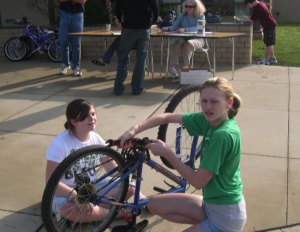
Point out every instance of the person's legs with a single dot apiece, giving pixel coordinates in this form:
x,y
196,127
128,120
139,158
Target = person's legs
x,y
64,23
110,51
178,207
127,41
175,48
76,26
188,49
138,75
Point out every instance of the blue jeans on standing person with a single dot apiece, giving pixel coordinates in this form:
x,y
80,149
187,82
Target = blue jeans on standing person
x,y
70,22
130,38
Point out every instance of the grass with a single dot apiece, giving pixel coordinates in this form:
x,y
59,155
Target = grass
x,y
287,48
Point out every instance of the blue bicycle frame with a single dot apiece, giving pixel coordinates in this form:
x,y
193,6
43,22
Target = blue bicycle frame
x,y
139,166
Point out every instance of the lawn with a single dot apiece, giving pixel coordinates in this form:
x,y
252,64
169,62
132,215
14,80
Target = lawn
x,y
287,48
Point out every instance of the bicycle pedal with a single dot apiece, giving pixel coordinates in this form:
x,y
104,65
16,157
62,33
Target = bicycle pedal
x,y
131,228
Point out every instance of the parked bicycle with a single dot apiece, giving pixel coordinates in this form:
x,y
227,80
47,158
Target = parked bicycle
x,y
33,39
95,182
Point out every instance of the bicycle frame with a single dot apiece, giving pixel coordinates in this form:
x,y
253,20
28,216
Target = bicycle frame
x,y
139,165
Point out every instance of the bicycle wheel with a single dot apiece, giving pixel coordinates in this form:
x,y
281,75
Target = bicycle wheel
x,y
32,47
54,51
176,136
91,184
16,49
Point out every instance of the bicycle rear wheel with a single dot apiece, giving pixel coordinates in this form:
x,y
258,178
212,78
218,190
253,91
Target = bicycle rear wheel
x,y
176,136
101,167
16,49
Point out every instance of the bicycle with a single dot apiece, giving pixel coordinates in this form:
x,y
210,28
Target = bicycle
x,y
33,39
95,183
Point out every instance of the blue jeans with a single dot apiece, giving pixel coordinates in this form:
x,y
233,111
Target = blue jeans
x,y
129,39
70,22
111,50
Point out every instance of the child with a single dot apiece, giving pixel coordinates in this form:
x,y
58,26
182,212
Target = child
x,y
222,207
265,18
80,126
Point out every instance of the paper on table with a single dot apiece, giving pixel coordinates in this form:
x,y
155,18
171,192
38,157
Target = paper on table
x,y
202,70
116,33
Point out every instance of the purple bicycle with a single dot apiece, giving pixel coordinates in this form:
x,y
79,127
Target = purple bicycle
x,y
33,39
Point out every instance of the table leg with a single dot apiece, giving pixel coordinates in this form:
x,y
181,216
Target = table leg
x,y
151,54
168,52
214,45
79,40
232,66
161,54
105,47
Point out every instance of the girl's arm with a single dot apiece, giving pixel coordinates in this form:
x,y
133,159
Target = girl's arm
x,y
149,123
197,179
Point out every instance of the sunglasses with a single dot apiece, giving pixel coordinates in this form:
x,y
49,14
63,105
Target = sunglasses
x,y
190,7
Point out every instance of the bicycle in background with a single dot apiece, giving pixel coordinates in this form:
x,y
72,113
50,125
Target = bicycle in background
x,y
33,39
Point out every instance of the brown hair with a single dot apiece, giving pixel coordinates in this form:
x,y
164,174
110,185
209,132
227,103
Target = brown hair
x,y
225,88
78,110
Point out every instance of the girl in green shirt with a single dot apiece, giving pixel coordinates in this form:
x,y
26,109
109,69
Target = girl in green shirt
x,y
222,207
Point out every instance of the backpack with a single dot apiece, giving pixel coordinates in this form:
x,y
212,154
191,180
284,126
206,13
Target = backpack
x,y
213,18
169,19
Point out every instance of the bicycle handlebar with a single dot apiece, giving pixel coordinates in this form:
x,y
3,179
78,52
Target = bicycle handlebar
x,y
135,142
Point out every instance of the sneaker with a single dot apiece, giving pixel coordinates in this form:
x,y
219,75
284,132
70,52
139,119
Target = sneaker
x,y
272,60
173,72
64,69
77,72
263,62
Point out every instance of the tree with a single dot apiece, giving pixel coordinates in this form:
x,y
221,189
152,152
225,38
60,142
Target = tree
x,y
44,7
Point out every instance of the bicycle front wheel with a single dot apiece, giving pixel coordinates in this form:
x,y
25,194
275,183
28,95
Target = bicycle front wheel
x,y
16,49
54,51
95,185
176,136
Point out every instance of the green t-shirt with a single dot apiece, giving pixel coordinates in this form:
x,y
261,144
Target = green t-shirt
x,y
220,154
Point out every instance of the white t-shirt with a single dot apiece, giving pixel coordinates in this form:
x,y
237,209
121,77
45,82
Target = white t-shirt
x,y
64,144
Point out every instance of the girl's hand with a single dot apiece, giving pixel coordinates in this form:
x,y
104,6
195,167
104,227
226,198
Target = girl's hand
x,y
165,29
180,30
126,136
159,148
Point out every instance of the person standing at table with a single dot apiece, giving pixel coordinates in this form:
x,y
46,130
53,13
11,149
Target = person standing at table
x,y
267,21
193,10
71,21
136,17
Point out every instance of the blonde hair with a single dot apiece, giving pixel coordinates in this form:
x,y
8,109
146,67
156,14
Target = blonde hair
x,y
226,89
199,7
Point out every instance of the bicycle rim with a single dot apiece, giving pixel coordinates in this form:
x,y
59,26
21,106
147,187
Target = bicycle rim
x,y
92,182
16,49
185,101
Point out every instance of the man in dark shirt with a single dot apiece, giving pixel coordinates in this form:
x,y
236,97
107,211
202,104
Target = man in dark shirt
x,y
265,18
136,17
71,20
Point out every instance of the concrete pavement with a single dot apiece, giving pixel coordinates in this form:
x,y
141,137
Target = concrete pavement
x,y
33,98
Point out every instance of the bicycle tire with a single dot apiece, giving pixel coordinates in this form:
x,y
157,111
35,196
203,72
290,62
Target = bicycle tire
x,y
16,49
54,51
32,47
88,156
185,101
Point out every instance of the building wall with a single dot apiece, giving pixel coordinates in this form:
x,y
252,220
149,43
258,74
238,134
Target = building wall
x,y
93,47
286,10
16,9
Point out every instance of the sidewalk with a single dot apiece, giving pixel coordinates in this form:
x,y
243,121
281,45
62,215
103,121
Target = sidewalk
x,y
32,112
